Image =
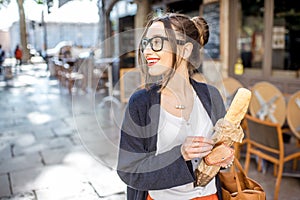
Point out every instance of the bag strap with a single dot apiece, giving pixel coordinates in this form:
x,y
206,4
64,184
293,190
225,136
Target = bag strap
x,y
239,166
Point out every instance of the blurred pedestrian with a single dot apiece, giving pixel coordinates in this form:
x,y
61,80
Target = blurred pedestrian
x,y
18,55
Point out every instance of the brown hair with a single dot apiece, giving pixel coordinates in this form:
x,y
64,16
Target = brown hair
x,y
194,30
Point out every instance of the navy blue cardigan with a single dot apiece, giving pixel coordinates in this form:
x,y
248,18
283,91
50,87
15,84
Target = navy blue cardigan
x,y
138,166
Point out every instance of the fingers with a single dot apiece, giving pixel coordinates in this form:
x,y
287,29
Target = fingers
x,y
227,163
200,139
196,147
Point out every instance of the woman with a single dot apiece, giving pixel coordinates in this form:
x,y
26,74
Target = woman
x,y
168,125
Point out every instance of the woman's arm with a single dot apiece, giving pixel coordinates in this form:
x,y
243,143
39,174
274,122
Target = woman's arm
x,y
139,167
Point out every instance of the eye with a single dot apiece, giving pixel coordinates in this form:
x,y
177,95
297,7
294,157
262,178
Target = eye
x,y
156,41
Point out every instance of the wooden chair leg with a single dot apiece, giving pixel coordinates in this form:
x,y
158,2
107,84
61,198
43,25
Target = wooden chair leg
x,y
275,169
278,181
259,164
295,164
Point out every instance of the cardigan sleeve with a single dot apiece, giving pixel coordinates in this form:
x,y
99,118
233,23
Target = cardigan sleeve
x,y
138,165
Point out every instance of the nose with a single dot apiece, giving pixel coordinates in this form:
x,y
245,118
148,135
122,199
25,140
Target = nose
x,y
148,49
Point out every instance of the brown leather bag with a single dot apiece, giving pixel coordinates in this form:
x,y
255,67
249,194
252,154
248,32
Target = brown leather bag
x,y
237,186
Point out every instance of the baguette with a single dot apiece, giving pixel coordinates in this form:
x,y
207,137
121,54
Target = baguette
x,y
238,107
225,134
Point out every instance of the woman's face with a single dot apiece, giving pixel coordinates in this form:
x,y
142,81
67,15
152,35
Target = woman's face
x,y
158,61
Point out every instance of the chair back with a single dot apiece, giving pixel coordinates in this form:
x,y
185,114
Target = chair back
x,y
264,134
293,114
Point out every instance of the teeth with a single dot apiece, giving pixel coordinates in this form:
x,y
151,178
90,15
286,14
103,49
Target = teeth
x,y
152,61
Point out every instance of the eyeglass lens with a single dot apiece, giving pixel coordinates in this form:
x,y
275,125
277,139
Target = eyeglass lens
x,y
156,43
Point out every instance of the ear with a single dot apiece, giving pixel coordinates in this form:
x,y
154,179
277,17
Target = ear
x,y
187,50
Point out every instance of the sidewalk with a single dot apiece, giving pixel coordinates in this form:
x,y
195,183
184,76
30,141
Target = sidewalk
x,y
55,146
52,146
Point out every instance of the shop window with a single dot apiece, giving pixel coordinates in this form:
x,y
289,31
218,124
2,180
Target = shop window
x,y
250,39
286,36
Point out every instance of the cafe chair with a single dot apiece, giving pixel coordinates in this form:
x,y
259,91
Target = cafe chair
x,y
265,140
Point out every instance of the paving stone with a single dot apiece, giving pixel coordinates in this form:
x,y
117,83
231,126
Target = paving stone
x,y
115,197
57,156
7,137
12,133
7,123
21,196
60,142
64,131
20,163
54,156
43,133
55,124
57,176
24,140
4,185
79,192
104,180
5,151
22,121
94,136
76,139
109,184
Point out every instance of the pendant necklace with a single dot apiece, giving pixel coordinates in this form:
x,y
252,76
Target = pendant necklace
x,y
180,107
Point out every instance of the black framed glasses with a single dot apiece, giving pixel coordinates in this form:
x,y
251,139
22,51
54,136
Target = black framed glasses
x,y
156,43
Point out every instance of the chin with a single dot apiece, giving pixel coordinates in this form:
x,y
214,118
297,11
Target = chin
x,y
157,70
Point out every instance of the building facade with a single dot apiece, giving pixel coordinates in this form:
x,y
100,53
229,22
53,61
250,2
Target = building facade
x,y
264,35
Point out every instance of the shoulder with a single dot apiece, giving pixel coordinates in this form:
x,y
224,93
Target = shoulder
x,y
139,97
140,104
143,97
211,99
205,88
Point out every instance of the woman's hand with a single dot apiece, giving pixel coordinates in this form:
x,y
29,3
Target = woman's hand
x,y
227,162
221,155
196,147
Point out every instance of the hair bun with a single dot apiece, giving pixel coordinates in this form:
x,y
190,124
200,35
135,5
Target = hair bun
x,y
203,29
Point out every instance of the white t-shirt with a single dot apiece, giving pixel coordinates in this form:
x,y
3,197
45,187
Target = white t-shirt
x,y
172,131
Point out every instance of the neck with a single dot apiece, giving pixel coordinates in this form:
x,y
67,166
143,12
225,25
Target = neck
x,y
180,82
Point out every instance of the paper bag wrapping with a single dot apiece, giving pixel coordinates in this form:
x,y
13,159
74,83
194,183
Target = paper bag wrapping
x,y
227,131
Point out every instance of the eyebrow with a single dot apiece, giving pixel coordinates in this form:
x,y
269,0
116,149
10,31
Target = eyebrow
x,y
156,35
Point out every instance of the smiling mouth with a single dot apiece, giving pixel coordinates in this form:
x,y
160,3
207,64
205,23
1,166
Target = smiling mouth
x,y
152,61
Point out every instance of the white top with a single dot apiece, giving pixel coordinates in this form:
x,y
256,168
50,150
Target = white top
x,y
172,132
